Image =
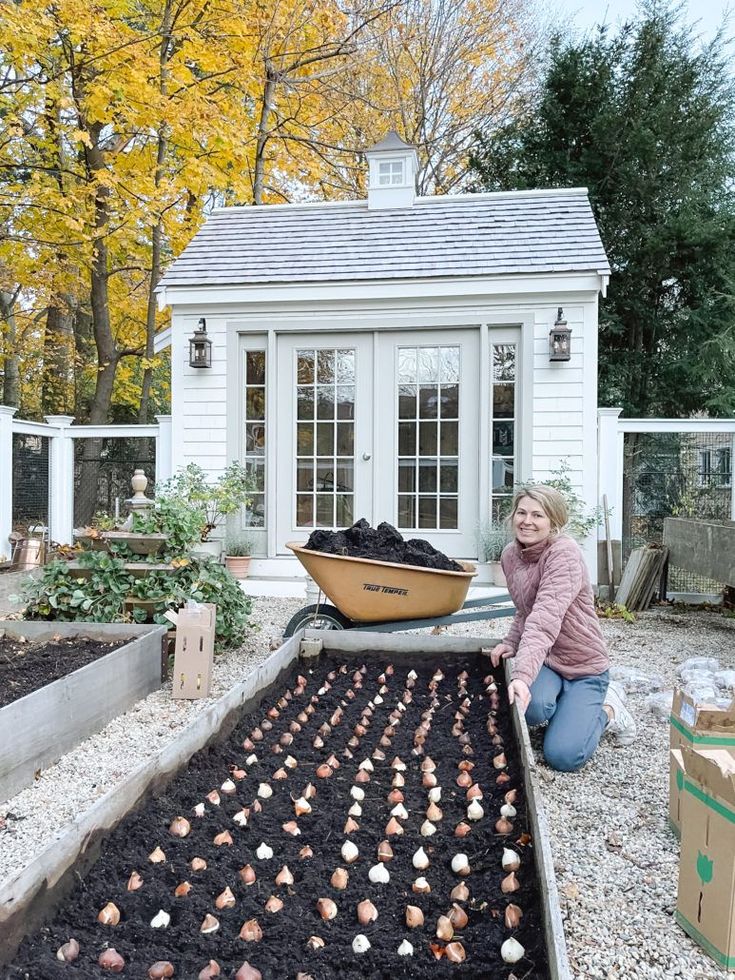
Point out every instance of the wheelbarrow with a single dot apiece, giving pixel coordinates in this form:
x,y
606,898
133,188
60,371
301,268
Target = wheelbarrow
x,y
382,595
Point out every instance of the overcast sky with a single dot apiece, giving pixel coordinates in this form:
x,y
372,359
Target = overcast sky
x,y
585,14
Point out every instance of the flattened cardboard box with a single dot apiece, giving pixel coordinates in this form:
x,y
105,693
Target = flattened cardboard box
x,y
676,787
702,726
706,900
194,653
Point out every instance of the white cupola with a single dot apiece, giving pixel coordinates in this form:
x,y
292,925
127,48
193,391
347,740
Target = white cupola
x,y
392,178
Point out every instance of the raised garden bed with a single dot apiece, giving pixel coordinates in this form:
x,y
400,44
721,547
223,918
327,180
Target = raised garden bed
x,y
37,728
283,950
26,665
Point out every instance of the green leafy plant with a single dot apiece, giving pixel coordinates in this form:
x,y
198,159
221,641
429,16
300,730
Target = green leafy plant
x,y
613,610
492,537
59,595
238,546
213,500
582,519
176,517
103,522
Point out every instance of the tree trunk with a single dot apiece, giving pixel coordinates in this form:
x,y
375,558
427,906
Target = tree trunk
x,y
157,233
107,353
57,394
11,372
269,94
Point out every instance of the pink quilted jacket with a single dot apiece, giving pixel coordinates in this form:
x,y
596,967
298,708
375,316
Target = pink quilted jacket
x,y
555,621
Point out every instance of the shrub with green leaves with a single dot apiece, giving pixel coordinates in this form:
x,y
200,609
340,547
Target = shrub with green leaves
x,y
57,594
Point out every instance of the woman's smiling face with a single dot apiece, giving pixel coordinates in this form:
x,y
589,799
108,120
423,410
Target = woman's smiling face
x,y
530,523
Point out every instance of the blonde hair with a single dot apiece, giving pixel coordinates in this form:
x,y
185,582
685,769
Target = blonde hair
x,y
551,502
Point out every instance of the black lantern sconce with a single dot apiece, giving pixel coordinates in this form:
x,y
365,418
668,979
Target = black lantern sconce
x,y
560,339
200,347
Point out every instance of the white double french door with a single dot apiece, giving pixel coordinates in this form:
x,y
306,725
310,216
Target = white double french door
x,y
381,425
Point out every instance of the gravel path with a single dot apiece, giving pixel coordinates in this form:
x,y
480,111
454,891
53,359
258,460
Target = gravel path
x,y
615,859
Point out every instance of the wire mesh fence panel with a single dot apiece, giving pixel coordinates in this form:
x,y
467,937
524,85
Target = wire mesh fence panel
x,y
102,472
30,482
675,474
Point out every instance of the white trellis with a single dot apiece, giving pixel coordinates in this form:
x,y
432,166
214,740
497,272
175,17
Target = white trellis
x,y
61,433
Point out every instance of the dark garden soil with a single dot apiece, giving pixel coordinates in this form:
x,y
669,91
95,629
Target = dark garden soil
x,y
26,667
368,716
381,543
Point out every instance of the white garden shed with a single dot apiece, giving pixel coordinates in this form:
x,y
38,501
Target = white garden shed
x,y
389,358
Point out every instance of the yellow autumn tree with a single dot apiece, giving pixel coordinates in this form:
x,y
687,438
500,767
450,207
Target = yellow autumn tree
x,y
123,122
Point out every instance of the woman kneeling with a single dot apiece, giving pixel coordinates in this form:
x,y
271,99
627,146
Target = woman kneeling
x,y
560,666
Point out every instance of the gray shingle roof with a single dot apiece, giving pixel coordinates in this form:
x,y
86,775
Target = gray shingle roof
x,y
468,235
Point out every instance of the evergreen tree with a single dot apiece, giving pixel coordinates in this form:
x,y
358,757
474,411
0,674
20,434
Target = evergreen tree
x,y
645,122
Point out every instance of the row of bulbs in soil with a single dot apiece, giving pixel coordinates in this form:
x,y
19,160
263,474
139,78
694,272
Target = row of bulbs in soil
x,y
446,942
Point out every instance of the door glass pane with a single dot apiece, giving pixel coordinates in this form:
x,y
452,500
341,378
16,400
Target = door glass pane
x,y
255,432
427,512
448,517
406,511
503,438
255,367
305,403
305,439
407,438
325,467
305,367
407,401
305,474
406,475
427,438
449,401
325,402
346,367
427,388
325,367
255,404
427,475
428,401
324,510
254,438
450,439
448,481
345,402
503,395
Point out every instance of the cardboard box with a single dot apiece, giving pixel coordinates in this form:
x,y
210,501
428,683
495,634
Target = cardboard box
x,y
194,651
676,787
705,907
700,726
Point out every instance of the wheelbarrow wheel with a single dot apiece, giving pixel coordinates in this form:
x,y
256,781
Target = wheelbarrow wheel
x,y
318,617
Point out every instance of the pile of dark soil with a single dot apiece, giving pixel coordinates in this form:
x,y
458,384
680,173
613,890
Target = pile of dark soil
x,y
26,667
382,543
368,725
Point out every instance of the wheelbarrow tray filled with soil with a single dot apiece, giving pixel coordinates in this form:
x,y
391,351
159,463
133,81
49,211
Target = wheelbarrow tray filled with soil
x,y
297,839
370,591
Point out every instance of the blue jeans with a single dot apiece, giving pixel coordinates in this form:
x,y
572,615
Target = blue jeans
x,y
574,712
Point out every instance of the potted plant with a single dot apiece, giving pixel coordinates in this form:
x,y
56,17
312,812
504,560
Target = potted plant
x,y
237,555
492,537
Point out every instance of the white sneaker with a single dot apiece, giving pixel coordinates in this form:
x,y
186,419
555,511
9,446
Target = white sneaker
x,y
622,724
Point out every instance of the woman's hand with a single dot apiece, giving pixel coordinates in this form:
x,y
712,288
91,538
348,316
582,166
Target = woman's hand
x,y
501,652
519,691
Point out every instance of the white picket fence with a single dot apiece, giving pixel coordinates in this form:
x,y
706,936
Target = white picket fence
x,y
61,433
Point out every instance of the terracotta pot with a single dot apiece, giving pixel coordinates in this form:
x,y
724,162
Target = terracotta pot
x,y
238,565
